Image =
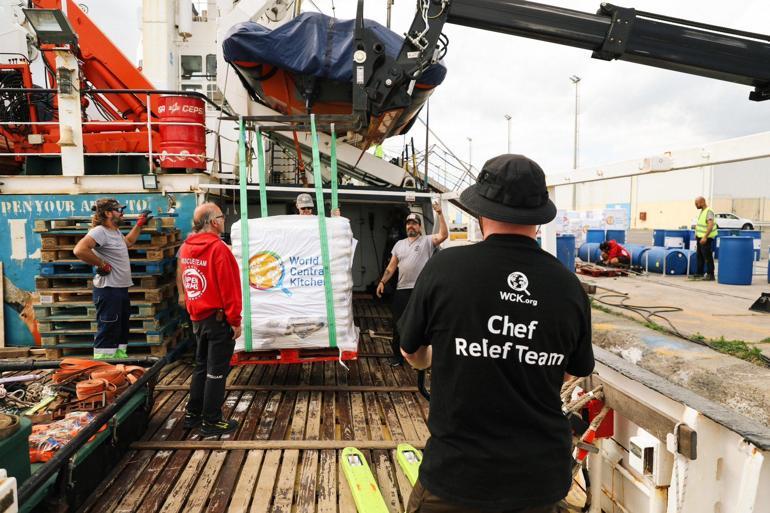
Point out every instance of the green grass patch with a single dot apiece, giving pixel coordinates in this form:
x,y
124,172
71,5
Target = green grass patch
x,y
739,349
656,327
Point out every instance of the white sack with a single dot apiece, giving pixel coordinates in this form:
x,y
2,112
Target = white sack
x,y
288,302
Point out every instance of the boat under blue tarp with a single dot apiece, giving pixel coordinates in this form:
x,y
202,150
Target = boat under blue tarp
x,y
275,65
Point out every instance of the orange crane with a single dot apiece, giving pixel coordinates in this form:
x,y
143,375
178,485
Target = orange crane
x,y
103,67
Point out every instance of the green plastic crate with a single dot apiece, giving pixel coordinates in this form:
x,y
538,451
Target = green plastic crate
x,y
14,452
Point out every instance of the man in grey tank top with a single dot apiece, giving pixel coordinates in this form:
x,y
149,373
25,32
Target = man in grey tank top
x,y
409,256
106,248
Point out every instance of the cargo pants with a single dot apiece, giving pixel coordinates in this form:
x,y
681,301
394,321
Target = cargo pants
x,y
113,309
214,349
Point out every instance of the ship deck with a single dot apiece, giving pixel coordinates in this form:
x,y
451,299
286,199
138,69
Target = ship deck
x,y
294,421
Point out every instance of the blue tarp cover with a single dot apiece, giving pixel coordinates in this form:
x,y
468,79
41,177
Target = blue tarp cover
x,y
312,44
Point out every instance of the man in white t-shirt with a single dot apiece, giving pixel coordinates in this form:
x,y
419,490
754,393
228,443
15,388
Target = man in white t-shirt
x,y
409,256
106,248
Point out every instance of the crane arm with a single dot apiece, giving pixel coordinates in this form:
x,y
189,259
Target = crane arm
x,y
103,64
612,33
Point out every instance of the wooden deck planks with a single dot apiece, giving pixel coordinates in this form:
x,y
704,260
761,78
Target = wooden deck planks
x,y
368,404
241,497
284,490
263,493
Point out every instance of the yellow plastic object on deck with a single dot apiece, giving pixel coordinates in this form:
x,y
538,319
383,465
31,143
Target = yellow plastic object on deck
x,y
363,487
409,460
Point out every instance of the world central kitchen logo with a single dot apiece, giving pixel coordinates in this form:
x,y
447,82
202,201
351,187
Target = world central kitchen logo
x,y
268,271
519,282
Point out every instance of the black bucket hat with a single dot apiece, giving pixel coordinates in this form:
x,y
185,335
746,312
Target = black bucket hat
x,y
511,189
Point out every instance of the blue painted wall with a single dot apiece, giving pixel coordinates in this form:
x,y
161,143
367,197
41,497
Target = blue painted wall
x,y
21,272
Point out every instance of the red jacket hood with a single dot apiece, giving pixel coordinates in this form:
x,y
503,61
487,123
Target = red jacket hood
x,y
202,239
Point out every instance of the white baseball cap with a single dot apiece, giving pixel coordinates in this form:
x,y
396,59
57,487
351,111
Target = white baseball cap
x,y
304,201
414,217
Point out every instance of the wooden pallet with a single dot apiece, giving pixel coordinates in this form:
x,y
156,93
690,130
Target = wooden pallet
x,y
85,310
157,223
79,269
55,240
81,295
137,346
140,282
64,327
134,253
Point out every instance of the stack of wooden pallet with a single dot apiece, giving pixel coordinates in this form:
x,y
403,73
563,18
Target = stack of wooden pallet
x,y
66,313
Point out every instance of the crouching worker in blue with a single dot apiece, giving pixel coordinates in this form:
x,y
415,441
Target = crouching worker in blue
x,y
106,248
503,324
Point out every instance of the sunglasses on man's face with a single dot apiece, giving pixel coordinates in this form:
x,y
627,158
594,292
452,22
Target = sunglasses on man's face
x,y
118,209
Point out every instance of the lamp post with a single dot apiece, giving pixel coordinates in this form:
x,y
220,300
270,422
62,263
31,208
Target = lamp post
x,y
508,119
576,80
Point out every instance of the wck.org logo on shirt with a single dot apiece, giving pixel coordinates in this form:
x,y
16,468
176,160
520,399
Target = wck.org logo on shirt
x,y
519,282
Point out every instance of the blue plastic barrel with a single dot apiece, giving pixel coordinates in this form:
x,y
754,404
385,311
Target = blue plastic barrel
x,y
757,236
658,236
636,250
595,235
722,232
618,236
589,252
675,239
693,257
736,262
565,250
658,260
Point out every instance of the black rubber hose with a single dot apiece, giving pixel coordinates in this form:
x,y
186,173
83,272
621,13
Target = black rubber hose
x,y
23,365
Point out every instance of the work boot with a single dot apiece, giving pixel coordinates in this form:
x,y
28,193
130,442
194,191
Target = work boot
x,y
221,427
395,361
192,420
695,277
708,277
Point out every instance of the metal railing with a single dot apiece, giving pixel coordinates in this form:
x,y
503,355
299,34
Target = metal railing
x,y
111,124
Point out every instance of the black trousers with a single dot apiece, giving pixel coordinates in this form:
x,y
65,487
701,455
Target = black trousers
x,y
705,255
422,501
397,307
215,344
113,309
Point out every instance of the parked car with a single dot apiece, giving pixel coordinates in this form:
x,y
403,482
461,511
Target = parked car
x,y
728,221
733,222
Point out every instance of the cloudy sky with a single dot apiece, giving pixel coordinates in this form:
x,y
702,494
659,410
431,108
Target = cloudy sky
x,y
627,110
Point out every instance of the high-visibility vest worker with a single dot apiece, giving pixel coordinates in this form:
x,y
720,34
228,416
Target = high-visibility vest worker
x,y
702,226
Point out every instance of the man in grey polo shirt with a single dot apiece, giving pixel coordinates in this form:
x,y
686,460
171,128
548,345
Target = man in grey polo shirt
x,y
409,256
106,248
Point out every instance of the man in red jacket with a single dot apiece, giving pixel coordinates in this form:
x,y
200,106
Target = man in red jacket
x,y
614,255
208,274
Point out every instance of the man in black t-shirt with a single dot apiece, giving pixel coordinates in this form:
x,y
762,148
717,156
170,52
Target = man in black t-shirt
x,y
503,323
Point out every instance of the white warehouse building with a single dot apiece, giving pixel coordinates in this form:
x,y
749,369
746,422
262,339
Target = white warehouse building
x,y
658,192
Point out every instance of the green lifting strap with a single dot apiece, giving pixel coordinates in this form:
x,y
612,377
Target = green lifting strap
x,y
335,201
245,288
262,175
319,197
